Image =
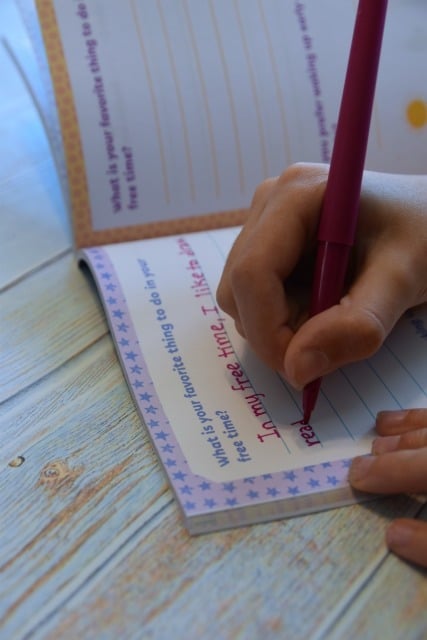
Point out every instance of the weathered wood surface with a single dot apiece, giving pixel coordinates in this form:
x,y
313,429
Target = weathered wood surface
x,y
91,540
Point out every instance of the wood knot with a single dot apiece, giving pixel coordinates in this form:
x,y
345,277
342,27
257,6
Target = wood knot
x,y
58,476
17,462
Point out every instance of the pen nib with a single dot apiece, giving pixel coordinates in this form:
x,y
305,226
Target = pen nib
x,y
306,418
309,397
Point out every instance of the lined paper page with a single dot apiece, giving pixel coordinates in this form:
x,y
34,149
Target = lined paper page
x,y
199,99
184,106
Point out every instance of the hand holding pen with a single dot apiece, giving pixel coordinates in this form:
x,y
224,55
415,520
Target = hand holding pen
x,y
266,287
265,280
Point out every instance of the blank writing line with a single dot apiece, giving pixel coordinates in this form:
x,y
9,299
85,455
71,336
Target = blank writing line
x,y
391,352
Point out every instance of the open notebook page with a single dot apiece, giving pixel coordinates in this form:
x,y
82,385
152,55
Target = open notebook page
x,y
232,416
184,107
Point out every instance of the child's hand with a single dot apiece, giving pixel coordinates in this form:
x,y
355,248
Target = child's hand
x,y
266,288
398,465
267,279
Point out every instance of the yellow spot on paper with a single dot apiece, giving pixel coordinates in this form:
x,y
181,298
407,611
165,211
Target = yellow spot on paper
x,y
416,113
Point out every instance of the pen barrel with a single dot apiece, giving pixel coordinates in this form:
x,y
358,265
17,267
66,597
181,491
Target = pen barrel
x,y
351,137
342,194
330,271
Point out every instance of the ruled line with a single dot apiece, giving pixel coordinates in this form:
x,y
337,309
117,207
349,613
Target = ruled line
x,y
254,91
166,187
230,98
180,104
212,142
276,75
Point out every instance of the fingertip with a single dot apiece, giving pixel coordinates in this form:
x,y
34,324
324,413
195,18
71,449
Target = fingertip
x,y
407,538
390,422
385,444
321,345
401,421
399,535
306,367
359,472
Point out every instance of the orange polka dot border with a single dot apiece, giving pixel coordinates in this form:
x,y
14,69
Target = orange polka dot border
x,y
79,195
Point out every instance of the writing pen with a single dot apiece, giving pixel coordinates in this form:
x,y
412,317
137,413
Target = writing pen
x,y
340,206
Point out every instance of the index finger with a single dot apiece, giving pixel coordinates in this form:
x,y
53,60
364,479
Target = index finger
x,y
267,254
402,471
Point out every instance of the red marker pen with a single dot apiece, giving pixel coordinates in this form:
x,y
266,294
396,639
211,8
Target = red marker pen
x,y
341,201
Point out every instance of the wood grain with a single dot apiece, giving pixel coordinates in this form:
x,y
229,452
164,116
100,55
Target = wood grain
x,y
46,319
269,581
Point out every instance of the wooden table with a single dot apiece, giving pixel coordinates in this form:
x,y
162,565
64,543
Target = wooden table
x,y
91,541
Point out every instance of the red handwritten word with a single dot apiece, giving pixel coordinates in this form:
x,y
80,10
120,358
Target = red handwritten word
x,y
271,431
200,286
209,310
185,247
255,403
224,346
307,433
242,381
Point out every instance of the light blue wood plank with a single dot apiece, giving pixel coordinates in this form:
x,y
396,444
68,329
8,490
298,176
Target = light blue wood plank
x,y
45,320
393,604
278,580
87,483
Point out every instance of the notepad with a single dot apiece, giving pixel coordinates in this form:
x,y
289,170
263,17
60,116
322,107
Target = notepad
x,y
170,114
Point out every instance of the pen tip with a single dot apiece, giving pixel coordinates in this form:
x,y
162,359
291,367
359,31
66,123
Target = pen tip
x,y
306,417
309,398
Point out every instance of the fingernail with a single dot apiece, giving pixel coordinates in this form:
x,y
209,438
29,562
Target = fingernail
x,y
385,444
359,469
391,418
309,366
398,535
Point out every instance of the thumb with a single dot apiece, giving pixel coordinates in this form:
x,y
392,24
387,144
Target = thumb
x,y
331,339
355,328
345,333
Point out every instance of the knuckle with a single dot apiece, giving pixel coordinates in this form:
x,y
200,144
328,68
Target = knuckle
x,y
294,172
242,274
302,173
414,439
236,284
369,328
374,334
262,192
402,274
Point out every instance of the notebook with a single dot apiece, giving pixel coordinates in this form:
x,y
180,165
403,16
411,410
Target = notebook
x,y
164,116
